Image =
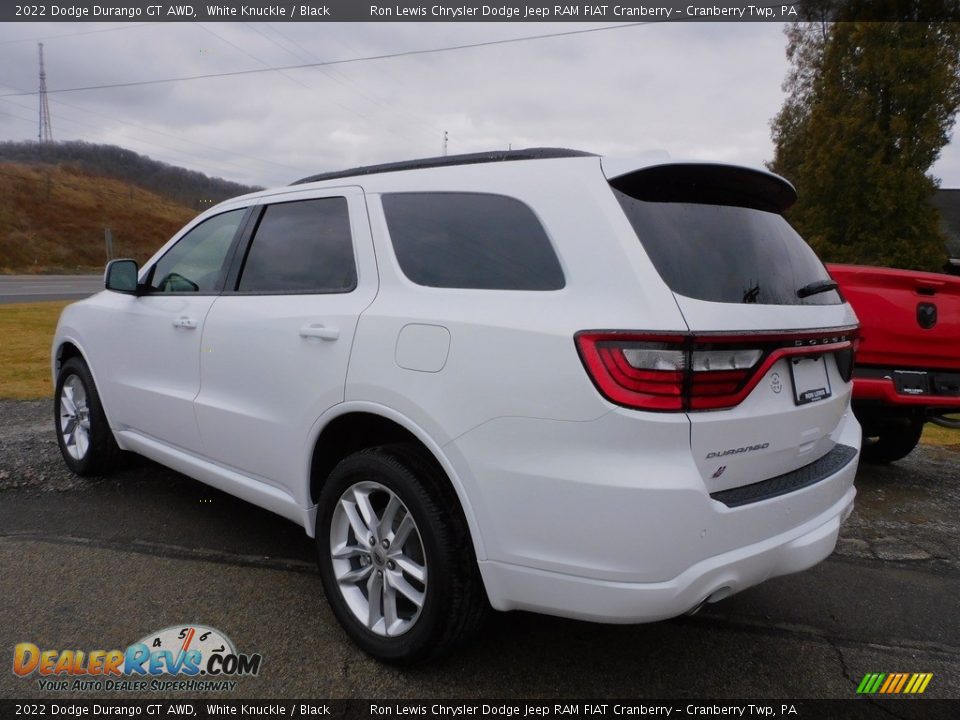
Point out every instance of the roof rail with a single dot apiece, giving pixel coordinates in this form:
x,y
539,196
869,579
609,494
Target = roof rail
x,y
447,160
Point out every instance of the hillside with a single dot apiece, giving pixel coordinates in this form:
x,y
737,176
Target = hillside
x,y
52,219
186,187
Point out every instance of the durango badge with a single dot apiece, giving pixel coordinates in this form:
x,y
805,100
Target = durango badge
x,y
738,451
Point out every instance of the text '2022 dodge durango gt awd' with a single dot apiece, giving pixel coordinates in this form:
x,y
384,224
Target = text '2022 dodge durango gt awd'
x,y
537,379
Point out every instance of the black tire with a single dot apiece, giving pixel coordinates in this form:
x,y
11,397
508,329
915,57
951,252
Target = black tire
x,y
454,601
894,442
946,420
101,454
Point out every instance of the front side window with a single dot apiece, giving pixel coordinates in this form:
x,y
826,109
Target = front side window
x,y
196,261
301,247
472,241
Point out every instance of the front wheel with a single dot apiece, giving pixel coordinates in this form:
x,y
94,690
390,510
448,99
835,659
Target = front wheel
x,y
892,442
395,556
85,439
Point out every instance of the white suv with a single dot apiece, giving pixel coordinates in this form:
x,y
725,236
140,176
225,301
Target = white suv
x,y
541,379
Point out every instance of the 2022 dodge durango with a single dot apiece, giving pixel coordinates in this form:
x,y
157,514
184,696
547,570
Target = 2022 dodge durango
x,y
538,379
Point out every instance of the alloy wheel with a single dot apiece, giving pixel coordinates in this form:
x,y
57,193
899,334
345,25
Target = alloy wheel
x,y
378,558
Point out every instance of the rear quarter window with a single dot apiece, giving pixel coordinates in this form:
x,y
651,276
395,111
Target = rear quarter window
x,y
471,241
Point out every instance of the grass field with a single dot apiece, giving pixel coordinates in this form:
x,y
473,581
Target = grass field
x,y
52,219
935,435
26,331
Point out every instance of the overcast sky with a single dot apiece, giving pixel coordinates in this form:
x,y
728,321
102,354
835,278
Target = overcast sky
x,y
696,90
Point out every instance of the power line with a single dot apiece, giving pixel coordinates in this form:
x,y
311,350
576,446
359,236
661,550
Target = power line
x,y
207,165
180,138
348,109
343,80
326,63
251,55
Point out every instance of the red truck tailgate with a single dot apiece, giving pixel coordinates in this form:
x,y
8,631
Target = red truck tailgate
x,y
908,319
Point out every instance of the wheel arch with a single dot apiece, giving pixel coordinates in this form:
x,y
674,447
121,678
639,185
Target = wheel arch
x,y
69,347
351,427
66,349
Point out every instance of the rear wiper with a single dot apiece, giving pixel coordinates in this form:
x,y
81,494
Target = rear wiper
x,y
815,288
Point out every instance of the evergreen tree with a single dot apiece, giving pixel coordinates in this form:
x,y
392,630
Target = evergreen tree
x,y
870,105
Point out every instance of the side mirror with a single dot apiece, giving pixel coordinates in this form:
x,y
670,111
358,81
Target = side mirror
x,y
121,276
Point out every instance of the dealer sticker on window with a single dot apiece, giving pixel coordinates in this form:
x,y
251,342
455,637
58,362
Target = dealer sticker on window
x,y
810,379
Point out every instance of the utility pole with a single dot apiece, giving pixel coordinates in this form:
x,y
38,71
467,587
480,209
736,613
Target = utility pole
x,y
445,135
44,131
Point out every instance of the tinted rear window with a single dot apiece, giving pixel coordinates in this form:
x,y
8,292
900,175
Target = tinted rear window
x,y
724,253
302,246
471,240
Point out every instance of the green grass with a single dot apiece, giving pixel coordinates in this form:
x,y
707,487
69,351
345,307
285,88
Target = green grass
x,y
936,435
26,331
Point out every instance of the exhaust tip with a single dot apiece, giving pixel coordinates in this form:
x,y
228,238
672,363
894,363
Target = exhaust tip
x,y
718,595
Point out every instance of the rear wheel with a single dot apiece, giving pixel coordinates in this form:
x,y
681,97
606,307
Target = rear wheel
x,y
395,556
892,442
85,439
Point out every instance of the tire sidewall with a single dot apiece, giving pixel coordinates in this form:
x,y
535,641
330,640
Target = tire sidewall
x,y
77,368
892,443
392,473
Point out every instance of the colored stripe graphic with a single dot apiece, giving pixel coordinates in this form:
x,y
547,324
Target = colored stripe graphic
x,y
890,681
894,683
901,682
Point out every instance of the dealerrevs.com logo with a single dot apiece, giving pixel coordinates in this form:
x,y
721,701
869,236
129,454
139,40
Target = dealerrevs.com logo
x,y
192,658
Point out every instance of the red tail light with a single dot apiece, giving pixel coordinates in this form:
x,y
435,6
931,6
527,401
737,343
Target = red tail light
x,y
678,372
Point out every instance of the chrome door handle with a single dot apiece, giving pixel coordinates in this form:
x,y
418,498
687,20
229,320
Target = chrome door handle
x,y
319,331
185,322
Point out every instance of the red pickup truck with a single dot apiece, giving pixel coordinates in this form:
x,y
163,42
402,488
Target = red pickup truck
x,y
908,362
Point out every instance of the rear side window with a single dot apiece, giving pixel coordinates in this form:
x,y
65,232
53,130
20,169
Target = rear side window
x,y
726,253
471,240
302,246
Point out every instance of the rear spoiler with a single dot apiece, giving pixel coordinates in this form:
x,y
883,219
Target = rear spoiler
x,y
703,183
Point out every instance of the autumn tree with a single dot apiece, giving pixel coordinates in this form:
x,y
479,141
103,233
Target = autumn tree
x,y
869,107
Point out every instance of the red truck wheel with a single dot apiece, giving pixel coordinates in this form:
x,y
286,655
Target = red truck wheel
x,y
895,441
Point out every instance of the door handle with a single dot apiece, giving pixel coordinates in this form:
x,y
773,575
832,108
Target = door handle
x,y
319,331
185,322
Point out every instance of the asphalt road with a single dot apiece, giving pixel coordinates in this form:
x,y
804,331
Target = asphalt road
x,y
36,288
98,564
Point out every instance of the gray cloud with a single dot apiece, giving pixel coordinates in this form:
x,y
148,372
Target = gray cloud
x,y
694,89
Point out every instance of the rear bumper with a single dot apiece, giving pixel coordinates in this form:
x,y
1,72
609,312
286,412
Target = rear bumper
x,y
615,524
884,391
513,587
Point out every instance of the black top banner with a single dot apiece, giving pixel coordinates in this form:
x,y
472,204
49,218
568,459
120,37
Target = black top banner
x,y
457,11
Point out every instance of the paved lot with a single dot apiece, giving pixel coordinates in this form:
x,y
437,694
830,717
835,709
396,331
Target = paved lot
x,y
97,564
36,288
